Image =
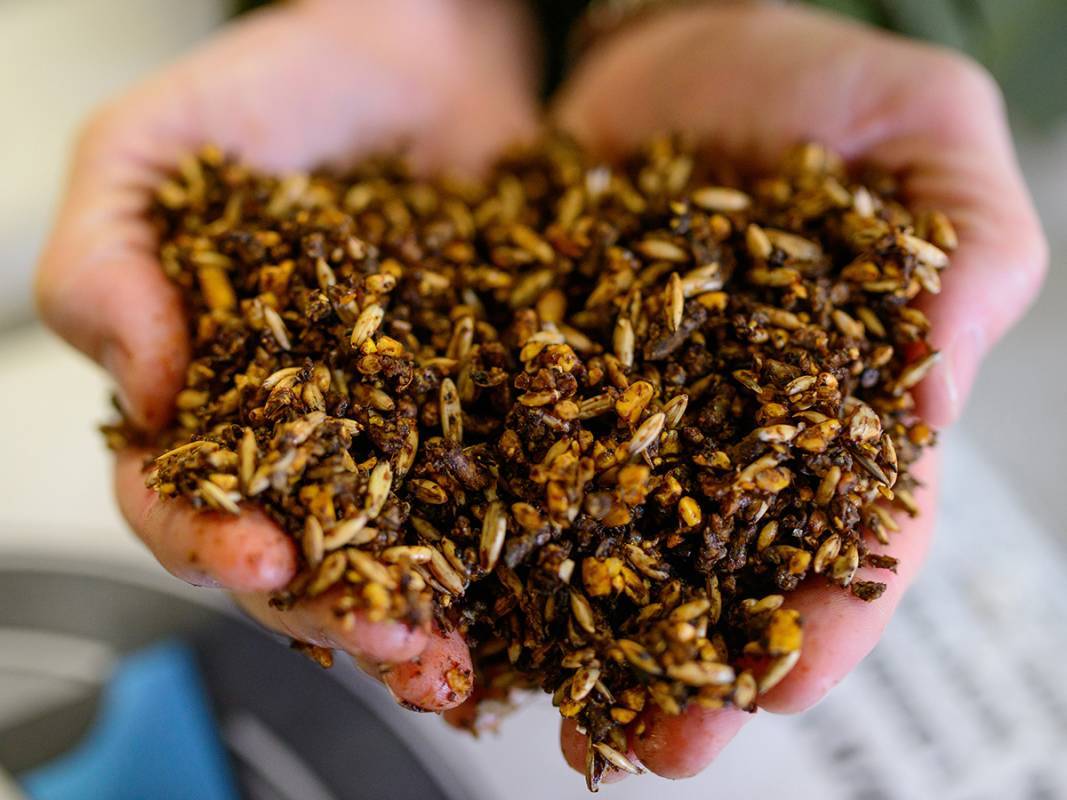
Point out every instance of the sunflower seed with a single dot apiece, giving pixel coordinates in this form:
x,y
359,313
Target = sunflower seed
x,y
720,198
494,531
451,414
277,327
352,531
674,302
647,433
617,759
219,499
367,323
328,574
312,542
624,342
583,612
639,657
779,668
378,488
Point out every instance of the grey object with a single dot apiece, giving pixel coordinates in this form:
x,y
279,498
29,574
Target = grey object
x,y
293,730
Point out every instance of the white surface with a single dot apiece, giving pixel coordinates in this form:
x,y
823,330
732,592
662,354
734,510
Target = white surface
x,y
58,60
55,471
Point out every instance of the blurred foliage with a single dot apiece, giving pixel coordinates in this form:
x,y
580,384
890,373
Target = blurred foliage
x,y
1022,42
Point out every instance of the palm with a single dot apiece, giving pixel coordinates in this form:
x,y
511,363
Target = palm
x,y
751,81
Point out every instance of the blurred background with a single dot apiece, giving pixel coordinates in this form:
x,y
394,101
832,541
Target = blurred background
x,y
963,699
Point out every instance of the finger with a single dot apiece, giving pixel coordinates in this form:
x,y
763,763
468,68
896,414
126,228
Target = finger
x,y
575,745
932,115
246,553
440,677
993,277
315,621
100,287
840,629
681,745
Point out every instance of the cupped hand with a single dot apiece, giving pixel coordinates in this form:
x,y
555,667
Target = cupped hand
x,y
751,80
291,88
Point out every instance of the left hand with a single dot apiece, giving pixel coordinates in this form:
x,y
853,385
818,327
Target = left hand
x,y
286,88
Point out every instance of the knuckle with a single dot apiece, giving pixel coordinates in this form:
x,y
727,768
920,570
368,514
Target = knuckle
x,y
100,130
963,78
1035,255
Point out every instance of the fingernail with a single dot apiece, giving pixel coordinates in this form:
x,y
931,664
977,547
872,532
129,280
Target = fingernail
x,y
114,359
199,578
960,365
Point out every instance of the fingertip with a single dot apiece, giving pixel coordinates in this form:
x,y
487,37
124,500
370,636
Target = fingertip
x,y
574,744
483,711
317,621
940,396
439,678
681,745
148,377
147,347
245,553
839,631
131,493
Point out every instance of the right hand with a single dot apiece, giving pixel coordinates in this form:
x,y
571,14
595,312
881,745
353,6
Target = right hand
x,y
319,82
751,79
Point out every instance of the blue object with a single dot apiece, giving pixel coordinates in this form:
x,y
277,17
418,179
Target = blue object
x,y
154,739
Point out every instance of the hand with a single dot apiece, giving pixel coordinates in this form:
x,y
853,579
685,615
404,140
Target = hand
x,y
751,80
290,88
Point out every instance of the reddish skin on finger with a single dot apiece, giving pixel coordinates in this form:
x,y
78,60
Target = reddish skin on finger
x,y
574,744
440,677
315,622
681,745
246,553
384,641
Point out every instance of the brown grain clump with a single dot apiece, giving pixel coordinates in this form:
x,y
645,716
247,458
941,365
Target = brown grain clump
x,y
601,418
